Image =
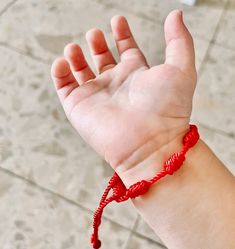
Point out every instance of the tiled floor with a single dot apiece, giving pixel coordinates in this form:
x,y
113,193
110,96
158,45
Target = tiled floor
x,y
44,163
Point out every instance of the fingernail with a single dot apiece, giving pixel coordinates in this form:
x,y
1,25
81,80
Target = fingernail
x,y
181,14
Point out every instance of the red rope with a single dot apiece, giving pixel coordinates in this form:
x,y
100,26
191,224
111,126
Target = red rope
x,y
121,193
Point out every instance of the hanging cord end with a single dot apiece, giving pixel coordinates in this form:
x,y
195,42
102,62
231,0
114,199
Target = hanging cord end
x,y
96,243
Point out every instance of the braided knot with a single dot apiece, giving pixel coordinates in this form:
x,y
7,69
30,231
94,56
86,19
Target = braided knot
x,y
174,162
138,189
119,190
96,243
191,138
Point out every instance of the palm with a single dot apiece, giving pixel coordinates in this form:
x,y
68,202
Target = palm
x,y
127,104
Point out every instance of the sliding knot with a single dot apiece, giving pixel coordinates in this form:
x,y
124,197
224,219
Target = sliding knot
x,y
191,138
138,189
174,162
119,189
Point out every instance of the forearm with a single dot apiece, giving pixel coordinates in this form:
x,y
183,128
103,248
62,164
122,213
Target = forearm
x,y
193,208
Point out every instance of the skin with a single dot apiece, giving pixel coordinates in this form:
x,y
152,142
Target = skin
x,y
135,117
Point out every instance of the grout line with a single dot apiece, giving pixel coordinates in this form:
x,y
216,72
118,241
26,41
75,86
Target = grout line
x,y
227,47
134,232
125,245
7,7
218,25
24,53
212,41
45,190
149,239
136,223
131,232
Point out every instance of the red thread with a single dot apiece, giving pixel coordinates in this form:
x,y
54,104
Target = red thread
x,y
121,193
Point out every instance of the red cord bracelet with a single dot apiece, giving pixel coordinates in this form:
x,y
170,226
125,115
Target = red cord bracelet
x,y
121,193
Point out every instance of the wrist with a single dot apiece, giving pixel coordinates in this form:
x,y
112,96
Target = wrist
x,y
145,162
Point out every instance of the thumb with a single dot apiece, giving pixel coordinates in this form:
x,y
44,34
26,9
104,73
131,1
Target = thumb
x,y
179,44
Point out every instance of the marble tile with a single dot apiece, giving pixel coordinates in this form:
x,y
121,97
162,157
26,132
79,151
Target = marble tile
x,y
226,32
38,143
143,229
201,19
139,242
32,218
214,98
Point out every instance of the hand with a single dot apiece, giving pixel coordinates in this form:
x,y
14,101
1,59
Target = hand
x,y
129,110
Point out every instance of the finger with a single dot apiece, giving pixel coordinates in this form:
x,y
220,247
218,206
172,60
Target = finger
x,y
100,52
180,48
63,78
79,66
126,44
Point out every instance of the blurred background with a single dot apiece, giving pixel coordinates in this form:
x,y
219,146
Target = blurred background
x,y
50,180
